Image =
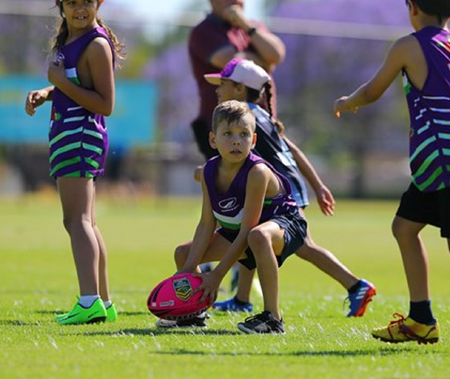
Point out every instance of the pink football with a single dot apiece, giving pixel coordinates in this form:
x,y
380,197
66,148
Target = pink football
x,y
173,298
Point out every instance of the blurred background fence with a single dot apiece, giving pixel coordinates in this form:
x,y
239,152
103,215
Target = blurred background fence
x,y
333,46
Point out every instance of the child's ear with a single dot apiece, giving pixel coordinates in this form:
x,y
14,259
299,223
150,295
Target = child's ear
x,y
212,140
242,92
414,8
255,137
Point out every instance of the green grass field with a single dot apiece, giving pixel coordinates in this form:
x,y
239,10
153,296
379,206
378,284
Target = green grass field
x,y
38,280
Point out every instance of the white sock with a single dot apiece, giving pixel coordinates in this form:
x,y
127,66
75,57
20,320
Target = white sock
x,y
107,303
86,301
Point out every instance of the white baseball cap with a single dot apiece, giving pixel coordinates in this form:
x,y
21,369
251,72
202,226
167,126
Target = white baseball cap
x,y
242,71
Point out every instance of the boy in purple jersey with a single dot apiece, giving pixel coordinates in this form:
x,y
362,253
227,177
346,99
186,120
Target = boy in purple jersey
x,y
243,80
82,95
259,221
423,58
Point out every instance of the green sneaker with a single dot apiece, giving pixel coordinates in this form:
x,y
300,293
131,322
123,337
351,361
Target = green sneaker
x,y
61,316
80,315
111,313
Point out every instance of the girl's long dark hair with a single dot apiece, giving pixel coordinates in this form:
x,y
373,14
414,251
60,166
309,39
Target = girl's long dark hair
x,y
254,96
62,33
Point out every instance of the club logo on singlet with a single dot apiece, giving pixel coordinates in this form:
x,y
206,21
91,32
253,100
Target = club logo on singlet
x,y
229,204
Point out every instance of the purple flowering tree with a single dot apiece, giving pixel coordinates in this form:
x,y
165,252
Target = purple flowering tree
x,y
320,68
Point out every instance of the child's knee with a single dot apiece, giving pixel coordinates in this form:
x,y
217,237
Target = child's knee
x,y
399,229
180,255
75,224
258,237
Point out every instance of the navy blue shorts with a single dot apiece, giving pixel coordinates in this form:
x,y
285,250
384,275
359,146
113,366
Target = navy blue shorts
x,y
431,208
294,227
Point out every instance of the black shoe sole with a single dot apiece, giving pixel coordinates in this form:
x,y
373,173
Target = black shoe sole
x,y
246,330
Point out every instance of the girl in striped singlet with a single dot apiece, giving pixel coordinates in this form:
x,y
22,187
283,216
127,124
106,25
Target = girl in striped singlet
x,y
82,94
423,58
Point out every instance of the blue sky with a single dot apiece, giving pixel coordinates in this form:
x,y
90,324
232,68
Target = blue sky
x,y
169,8
157,16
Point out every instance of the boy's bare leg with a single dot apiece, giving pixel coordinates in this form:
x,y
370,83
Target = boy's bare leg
x,y
266,240
326,262
414,256
245,283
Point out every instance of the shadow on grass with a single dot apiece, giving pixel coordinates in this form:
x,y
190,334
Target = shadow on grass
x,y
59,311
134,313
53,313
154,332
300,353
17,323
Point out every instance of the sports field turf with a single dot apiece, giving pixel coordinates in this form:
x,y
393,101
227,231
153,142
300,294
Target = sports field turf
x,y
37,279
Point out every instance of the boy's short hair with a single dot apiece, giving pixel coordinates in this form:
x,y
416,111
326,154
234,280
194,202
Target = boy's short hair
x,y
232,111
439,8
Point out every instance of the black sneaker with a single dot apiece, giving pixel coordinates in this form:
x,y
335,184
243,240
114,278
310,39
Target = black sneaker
x,y
261,323
199,322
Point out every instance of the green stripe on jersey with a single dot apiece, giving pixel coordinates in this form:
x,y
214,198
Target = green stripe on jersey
x,y
406,85
65,164
422,146
430,180
65,134
90,147
229,226
71,146
71,74
426,164
233,223
93,163
93,134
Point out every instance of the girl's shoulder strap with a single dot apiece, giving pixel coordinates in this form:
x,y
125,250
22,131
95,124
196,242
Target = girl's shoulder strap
x,y
101,32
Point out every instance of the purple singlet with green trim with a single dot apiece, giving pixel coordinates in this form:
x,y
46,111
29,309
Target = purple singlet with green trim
x,y
228,206
429,111
78,138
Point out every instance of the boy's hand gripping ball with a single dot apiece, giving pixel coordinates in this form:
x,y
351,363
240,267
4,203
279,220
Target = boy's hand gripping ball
x,y
173,298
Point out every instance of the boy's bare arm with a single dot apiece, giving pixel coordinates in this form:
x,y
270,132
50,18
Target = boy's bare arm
x,y
203,233
396,59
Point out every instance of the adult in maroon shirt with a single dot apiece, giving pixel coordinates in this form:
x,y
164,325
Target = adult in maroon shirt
x,y
225,34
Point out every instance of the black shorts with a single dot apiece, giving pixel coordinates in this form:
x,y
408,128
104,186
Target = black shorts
x,y
201,131
294,227
431,208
